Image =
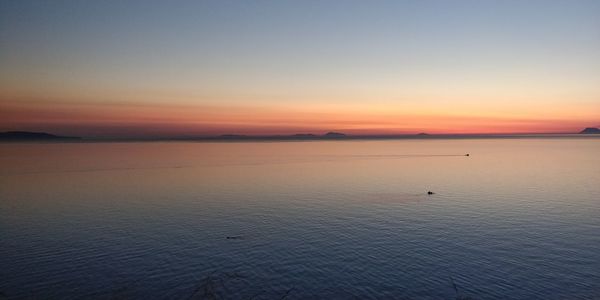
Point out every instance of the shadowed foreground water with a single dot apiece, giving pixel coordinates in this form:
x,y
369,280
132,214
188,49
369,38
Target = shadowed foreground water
x,y
517,219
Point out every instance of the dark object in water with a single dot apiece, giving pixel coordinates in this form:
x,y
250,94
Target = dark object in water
x,y
430,193
467,154
236,237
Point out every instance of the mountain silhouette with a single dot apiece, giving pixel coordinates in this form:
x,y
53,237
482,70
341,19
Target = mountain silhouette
x,y
590,130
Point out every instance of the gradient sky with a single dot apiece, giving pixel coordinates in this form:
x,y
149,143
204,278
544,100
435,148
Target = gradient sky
x,y
157,68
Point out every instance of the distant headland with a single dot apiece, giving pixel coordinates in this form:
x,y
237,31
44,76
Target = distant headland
x,y
590,130
33,136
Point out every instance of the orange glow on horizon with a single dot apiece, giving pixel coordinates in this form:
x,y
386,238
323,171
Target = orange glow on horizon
x,y
130,120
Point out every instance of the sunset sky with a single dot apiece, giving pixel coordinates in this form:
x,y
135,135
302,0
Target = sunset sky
x,y
156,68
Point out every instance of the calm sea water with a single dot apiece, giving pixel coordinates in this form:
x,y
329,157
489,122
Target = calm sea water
x,y
517,219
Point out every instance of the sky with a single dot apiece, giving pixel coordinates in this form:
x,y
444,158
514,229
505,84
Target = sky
x,y
180,68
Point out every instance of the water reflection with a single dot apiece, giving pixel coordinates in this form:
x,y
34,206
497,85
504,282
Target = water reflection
x,y
516,218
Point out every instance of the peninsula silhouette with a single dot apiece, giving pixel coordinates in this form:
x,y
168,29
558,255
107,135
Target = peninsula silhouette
x,y
590,130
32,136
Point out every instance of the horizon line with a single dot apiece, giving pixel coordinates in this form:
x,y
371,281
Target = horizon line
x,y
330,135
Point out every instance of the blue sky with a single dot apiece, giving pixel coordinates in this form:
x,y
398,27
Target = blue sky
x,y
509,59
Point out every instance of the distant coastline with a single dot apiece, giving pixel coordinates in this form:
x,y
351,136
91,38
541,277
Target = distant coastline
x,y
34,136
24,136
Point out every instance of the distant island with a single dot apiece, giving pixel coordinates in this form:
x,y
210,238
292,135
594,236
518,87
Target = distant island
x,y
33,136
332,134
590,130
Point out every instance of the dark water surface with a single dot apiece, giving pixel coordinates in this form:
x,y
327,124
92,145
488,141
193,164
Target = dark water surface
x,y
517,219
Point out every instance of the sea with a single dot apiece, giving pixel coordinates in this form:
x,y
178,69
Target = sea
x,y
518,218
